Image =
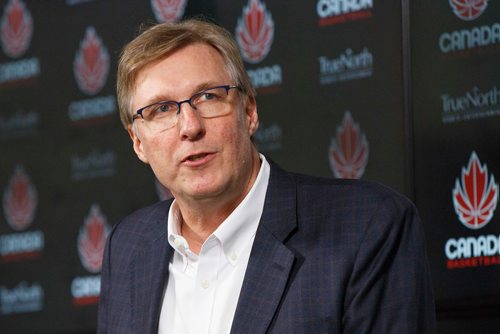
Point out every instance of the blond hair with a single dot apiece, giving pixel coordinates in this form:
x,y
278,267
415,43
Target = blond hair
x,y
163,39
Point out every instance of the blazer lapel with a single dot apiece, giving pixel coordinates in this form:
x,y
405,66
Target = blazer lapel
x,y
151,279
271,262
158,260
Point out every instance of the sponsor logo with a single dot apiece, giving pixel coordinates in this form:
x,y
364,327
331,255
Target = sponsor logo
x,y
21,246
255,35
475,197
168,10
469,252
21,299
459,41
266,79
91,66
269,138
19,72
20,200
162,191
255,32
347,66
474,104
16,29
332,12
91,241
85,290
468,10
92,238
92,111
20,124
476,39
348,153
93,165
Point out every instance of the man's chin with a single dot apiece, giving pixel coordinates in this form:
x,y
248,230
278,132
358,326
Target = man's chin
x,y
203,192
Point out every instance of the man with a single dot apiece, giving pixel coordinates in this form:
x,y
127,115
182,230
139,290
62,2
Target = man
x,y
246,247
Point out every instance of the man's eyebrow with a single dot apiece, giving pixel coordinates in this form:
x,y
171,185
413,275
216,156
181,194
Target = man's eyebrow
x,y
156,99
205,85
165,97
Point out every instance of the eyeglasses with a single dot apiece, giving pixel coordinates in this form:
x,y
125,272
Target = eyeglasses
x,y
208,103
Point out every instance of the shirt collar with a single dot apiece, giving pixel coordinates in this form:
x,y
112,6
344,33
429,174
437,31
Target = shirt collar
x,y
175,238
238,229
240,226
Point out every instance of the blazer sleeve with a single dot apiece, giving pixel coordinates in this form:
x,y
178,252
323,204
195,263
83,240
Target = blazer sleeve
x,y
390,289
114,309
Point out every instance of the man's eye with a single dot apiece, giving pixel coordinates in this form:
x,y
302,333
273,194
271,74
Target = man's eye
x,y
209,96
163,107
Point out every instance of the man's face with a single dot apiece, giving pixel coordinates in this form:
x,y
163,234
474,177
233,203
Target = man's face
x,y
198,158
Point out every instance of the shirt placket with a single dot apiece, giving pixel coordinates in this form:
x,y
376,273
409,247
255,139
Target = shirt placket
x,y
206,284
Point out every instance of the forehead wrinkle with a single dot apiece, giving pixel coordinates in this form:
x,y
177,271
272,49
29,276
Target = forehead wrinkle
x,y
224,77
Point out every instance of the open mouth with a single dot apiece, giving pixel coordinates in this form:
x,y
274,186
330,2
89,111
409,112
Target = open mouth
x,y
196,157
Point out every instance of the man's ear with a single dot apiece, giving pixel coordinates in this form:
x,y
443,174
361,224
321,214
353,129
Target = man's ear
x,y
137,144
252,116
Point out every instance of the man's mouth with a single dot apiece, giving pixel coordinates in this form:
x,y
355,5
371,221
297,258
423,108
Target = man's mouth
x,y
198,159
196,156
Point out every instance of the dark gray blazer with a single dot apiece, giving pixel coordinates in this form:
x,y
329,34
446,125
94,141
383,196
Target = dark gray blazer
x,y
330,256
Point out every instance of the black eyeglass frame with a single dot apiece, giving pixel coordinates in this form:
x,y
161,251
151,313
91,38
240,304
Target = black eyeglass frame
x,y
179,103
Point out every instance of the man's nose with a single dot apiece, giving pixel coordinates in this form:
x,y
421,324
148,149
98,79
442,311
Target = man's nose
x,y
191,124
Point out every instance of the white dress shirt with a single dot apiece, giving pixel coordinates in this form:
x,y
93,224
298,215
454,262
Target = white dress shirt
x,y
203,290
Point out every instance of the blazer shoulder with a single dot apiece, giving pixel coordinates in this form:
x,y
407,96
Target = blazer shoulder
x,y
142,223
351,205
342,189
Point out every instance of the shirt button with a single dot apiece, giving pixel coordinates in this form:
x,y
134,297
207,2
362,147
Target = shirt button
x,y
177,242
233,257
205,284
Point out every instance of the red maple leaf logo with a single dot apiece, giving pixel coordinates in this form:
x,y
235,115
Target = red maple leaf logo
x,y
168,10
255,32
91,64
468,10
92,239
16,29
20,200
349,150
475,198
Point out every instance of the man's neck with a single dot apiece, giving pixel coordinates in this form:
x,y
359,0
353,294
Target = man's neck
x,y
200,218
197,228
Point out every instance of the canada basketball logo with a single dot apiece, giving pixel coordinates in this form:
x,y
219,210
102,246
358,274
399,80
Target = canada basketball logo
x,y
168,10
475,195
255,32
20,200
91,64
16,29
92,239
348,152
468,10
